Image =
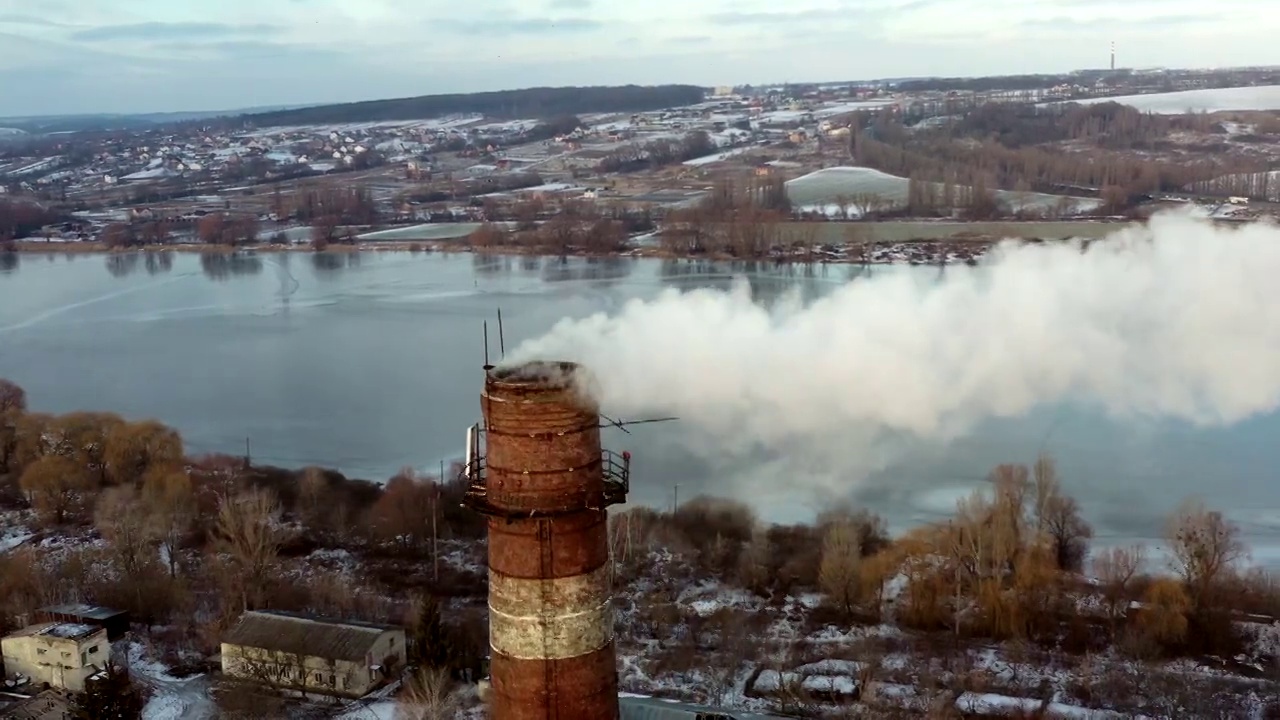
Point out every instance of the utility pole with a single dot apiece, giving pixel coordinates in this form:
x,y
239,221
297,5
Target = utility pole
x,y
435,534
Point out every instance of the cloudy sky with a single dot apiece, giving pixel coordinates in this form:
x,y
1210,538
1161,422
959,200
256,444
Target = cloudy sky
x,y
72,56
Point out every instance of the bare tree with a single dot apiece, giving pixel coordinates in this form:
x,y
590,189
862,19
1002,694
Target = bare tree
x,y
838,574
56,486
429,695
247,531
313,497
13,403
1205,546
121,518
1058,518
171,505
1164,614
1116,569
12,397
756,561
133,448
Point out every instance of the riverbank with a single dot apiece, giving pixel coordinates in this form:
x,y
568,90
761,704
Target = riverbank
x,y
917,242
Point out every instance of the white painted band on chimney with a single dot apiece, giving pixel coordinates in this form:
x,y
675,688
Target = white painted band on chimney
x,y
555,619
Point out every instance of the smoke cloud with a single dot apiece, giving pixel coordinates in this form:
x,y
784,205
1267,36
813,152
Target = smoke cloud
x,y
1176,320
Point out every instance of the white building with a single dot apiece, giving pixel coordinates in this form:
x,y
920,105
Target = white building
x,y
60,654
297,652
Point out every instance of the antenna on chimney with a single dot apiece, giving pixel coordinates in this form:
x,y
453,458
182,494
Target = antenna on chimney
x,y
502,344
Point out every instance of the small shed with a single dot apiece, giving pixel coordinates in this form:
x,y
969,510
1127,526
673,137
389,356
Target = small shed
x,y
115,622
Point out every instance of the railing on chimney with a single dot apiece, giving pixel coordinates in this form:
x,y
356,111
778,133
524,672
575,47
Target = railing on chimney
x,y
615,469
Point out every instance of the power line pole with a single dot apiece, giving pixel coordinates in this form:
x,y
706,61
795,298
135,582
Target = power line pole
x,y
435,534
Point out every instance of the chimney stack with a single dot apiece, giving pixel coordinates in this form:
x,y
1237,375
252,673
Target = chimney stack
x,y
1113,56
544,483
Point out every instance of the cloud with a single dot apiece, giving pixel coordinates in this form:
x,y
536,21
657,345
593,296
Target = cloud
x,y
1113,23
773,18
249,49
19,19
531,26
169,31
570,4
690,39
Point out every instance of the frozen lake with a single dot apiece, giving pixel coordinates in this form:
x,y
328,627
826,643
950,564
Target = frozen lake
x,y
371,361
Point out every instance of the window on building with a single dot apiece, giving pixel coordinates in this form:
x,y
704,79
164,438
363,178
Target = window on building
x,y
319,677
93,649
331,680
84,658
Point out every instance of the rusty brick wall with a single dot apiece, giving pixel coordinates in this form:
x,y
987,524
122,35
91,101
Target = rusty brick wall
x,y
551,626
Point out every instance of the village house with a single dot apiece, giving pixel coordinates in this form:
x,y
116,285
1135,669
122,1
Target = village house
x,y
306,654
62,655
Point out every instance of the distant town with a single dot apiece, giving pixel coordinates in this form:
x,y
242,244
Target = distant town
x,y
670,169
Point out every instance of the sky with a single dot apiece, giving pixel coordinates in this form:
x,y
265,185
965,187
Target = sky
x,y
122,56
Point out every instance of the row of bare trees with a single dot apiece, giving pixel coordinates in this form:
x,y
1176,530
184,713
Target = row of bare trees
x,y
353,206
657,153
1007,147
19,218
225,229
1010,566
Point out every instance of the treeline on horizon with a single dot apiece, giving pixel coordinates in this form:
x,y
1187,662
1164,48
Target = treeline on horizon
x,y
538,102
1117,151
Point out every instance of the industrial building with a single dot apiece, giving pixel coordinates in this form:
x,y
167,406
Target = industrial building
x,y
61,655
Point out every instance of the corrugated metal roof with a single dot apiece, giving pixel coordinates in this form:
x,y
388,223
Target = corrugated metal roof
x,y
92,612
301,635
647,708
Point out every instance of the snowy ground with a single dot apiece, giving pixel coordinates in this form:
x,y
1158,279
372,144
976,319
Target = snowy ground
x,y
725,155
172,698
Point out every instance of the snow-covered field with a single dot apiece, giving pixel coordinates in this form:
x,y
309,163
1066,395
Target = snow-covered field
x,y
427,231
717,157
1262,97
821,191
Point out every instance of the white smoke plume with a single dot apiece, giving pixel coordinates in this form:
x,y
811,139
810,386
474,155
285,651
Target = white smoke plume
x,y
1178,320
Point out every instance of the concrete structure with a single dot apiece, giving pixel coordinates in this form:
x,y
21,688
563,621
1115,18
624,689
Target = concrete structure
x,y
63,655
297,652
544,483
